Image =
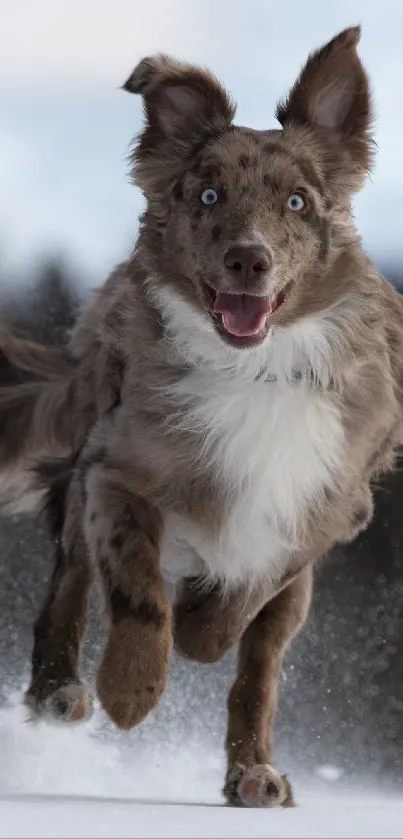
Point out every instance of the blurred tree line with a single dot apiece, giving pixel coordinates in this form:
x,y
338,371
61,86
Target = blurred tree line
x,y
45,305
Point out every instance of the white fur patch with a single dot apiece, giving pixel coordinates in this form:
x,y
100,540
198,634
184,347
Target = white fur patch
x,y
273,447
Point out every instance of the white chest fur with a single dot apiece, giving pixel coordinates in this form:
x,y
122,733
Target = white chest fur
x,y
273,448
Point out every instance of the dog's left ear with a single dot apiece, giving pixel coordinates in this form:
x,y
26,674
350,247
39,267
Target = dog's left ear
x,y
184,105
332,94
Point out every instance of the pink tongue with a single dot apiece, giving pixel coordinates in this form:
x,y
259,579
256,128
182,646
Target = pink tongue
x,y
242,314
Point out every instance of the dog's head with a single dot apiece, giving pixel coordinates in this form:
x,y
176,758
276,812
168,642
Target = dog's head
x,y
242,224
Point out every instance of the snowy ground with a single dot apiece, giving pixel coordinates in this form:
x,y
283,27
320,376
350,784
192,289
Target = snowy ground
x,y
56,783
71,818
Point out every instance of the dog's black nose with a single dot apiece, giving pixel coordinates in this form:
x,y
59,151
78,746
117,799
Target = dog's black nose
x,y
248,262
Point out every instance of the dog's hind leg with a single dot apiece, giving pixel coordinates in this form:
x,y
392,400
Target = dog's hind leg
x,y
55,689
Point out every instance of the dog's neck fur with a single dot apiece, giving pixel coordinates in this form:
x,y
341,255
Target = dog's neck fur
x,y
308,349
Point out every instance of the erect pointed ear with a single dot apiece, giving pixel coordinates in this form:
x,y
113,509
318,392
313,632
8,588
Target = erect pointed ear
x,y
332,93
184,105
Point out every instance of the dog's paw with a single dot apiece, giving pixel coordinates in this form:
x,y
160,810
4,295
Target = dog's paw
x,y
132,676
257,786
71,703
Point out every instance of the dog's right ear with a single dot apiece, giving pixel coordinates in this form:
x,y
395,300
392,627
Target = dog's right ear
x,y
184,105
181,101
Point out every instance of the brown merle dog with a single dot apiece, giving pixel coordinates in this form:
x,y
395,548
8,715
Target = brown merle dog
x,y
222,406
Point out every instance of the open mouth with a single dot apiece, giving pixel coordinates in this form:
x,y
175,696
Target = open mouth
x,y
243,318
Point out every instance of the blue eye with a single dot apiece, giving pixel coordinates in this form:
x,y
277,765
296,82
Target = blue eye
x,y
296,202
209,196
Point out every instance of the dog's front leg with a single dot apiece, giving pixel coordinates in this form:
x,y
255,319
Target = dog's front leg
x,y
251,779
265,621
123,535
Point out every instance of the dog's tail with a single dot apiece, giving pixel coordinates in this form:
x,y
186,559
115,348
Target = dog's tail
x,y
22,360
36,398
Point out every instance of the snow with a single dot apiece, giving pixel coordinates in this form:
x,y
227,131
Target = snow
x,y
42,818
73,782
43,758
329,772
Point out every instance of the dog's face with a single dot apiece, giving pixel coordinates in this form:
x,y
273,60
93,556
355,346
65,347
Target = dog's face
x,y
244,224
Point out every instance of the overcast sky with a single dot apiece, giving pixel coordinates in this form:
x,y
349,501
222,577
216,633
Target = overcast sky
x,y
65,125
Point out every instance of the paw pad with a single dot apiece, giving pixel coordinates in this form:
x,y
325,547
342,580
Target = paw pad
x,y
258,786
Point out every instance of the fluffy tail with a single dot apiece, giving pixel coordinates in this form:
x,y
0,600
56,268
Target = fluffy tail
x,y
36,396
23,360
